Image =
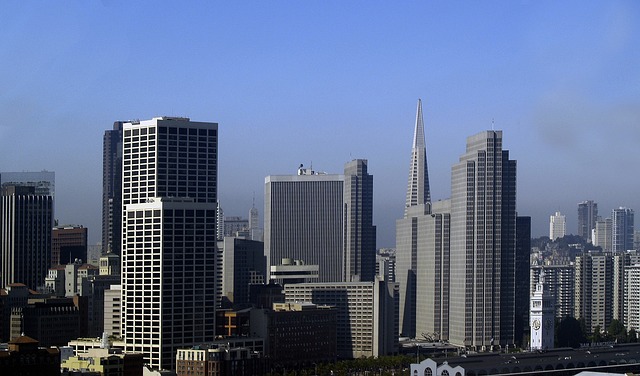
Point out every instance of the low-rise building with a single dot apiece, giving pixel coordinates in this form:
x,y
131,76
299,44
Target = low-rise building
x,y
367,314
219,360
296,333
25,357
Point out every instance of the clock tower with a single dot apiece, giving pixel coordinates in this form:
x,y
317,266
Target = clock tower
x,y
542,316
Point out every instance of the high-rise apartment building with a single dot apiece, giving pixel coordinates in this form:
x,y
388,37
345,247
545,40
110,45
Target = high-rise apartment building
x,y
587,217
602,235
25,235
169,193
323,220
561,281
632,297
594,293
417,208
483,244
112,189
621,229
557,226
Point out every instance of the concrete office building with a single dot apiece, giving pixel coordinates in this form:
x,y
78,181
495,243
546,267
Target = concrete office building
x,y
296,333
621,229
386,264
24,356
294,271
54,321
483,237
418,205
367,314
112,189
433,267
242,264
169,196
233,225
324,220
557,226
587,217
26,219
113,311
68,243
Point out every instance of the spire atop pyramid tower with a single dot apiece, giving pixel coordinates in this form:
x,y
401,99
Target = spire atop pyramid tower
x,y
418,191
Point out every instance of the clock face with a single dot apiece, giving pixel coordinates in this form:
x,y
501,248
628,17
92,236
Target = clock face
x,y
548,323
536,324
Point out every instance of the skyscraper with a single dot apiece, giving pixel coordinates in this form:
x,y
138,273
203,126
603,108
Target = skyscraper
x,y
44,182
483,225
418,205
112,189
557,226
359,232
25,235
621,229
523,265
169,193
587,217
322,220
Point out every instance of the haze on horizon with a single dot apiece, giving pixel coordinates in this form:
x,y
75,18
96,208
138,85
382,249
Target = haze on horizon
x,y
325,82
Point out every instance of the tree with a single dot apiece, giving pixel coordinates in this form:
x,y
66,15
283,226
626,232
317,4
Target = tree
x,y
617,331
632,336
569,333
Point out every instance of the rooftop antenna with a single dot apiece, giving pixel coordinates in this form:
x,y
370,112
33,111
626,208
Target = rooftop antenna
x,y
492,124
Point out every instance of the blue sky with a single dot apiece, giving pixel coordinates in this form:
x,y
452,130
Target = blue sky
x,y
324,82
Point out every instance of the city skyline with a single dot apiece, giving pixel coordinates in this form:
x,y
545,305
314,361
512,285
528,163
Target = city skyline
x,y
298,83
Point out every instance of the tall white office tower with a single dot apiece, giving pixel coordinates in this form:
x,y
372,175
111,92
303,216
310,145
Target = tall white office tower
x,y
621,229
542,316
169,191
587,217
557,226
323,220
483,237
